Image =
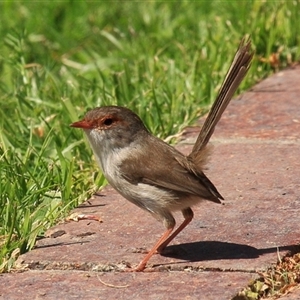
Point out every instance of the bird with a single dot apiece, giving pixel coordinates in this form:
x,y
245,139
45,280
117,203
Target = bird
x,y
151,173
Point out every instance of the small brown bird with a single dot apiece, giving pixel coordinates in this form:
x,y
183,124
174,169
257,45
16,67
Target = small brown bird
x,y
150,173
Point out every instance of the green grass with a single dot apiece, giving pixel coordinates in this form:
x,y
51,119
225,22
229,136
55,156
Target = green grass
x,y
165,60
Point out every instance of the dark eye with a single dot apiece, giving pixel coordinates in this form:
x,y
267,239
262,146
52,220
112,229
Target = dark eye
x,y
108,121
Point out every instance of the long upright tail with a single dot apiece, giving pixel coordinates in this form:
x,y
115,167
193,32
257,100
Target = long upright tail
x,y
236,73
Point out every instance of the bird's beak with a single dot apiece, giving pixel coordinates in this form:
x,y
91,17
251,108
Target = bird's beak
x,y
82,124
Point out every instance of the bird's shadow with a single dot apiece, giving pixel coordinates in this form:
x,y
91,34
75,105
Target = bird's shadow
x,y
215,250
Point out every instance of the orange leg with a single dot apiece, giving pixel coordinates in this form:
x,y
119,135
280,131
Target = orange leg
x,y
165,239
143,263
188,216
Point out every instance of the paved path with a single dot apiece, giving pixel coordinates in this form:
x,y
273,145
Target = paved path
x,y
256,167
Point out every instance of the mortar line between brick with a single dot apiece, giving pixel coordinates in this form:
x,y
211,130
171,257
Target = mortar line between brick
x,y
119,268
216,141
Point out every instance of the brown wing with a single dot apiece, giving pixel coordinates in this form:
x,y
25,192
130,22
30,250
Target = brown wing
x,y
169,169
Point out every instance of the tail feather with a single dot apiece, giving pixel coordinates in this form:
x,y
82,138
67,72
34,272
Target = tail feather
x,y
236,73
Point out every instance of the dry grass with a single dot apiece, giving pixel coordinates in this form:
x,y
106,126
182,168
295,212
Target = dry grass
x,y
275,282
